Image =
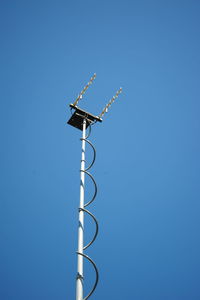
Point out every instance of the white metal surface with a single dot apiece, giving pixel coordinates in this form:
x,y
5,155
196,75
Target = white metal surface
x,y
79,280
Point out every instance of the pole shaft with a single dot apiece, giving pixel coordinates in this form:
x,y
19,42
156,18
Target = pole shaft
x,y
79,280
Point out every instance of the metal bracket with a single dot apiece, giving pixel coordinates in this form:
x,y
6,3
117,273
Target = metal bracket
x,y
79,276
79,114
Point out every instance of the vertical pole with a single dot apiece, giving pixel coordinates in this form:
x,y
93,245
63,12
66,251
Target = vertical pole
x,y
79,279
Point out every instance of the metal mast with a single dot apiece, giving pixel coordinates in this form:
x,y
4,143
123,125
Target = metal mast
x,y
79,280
83,120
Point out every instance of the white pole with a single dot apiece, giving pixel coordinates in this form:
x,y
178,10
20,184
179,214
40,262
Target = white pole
x,y
79,280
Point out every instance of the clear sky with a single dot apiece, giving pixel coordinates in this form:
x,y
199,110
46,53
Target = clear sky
x,y
148,147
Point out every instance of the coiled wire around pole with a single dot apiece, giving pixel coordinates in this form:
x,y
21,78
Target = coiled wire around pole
x,y
90,214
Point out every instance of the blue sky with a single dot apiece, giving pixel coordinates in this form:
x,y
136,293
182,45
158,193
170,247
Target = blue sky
x,y
148,162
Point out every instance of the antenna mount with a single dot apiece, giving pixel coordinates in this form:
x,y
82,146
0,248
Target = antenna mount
x,y
79,115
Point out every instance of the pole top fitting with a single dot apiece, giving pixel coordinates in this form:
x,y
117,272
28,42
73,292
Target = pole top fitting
x,y
79,115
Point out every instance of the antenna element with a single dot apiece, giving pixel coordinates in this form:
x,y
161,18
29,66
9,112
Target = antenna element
x,y
80,96
105,110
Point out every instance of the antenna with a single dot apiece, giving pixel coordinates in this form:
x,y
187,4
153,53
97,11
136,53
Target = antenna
x,y
80,96
82,120
105,110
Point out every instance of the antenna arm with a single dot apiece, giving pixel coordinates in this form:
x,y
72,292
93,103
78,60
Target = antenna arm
x,y
110,102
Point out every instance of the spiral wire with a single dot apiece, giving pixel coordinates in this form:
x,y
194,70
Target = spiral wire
x,y
89,213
